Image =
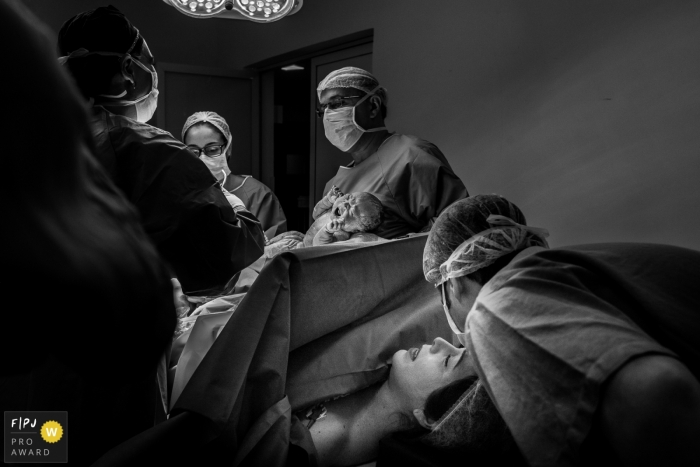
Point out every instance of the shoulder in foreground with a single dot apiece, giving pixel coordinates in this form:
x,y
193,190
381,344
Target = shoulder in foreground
x,y
129,125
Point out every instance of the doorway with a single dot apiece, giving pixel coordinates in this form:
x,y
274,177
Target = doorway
x,y
296,159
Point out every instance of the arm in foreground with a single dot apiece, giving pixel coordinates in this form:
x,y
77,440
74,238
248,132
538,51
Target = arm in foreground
x,y
650,413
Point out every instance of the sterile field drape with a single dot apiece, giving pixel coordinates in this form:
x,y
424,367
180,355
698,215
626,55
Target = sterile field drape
x,y
317,323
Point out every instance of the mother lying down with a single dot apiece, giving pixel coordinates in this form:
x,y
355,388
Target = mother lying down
x,y
432,391
338,218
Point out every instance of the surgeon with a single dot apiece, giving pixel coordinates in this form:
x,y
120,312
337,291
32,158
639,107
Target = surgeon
x,y
90,310
195,229
208,136
590,353
410,176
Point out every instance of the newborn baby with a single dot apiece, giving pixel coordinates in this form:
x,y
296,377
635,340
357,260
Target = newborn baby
x,y
348,218
339,217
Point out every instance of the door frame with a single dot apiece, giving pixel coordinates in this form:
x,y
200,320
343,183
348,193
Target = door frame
x,y
264,67
163,68
343,54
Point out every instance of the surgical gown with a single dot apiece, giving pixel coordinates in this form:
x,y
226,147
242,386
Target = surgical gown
x,y
550,328
181,205
412,179
260,201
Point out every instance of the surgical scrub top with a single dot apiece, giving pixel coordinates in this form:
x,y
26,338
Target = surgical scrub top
x,y
181,205
260,201
550,328
412,179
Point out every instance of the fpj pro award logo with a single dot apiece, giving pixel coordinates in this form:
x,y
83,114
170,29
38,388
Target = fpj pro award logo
x,y
36,436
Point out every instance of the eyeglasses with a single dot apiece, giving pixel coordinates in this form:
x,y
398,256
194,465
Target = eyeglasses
x,y
209,151
334,104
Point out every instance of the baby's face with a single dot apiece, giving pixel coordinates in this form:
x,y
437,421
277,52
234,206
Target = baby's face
x,y
350,208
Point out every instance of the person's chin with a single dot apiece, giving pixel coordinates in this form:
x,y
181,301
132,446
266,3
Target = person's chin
x,y
398,356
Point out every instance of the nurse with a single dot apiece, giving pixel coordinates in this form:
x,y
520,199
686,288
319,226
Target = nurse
x,y
590,352
208,136
182,208
410,176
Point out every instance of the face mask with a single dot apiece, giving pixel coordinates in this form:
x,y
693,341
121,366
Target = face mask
x,y
217,165
461,336
145,105
340,126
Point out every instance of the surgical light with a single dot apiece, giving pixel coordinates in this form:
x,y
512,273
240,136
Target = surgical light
x,y
260,11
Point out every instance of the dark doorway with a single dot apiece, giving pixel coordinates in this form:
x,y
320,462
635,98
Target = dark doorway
x,y
291,142
295,159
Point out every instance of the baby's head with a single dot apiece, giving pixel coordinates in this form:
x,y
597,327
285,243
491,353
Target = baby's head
x,y
360,212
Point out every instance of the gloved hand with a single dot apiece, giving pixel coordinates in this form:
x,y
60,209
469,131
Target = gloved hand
x,y
291,235
182,306
278,247
234,200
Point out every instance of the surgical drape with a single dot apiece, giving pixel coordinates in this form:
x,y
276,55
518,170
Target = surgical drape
x,y
338,312
412,179
181,205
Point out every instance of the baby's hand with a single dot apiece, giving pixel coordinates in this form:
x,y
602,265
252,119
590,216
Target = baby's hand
x,y
336,225
334,194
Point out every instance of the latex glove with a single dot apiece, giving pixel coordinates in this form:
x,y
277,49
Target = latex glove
x,y
276,248
182,306
233,200
291,235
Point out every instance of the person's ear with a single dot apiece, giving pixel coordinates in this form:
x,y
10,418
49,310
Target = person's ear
x,y
376,106
462,288
127,71
423,420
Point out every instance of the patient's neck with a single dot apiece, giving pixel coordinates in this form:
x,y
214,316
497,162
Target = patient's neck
x,y
355,424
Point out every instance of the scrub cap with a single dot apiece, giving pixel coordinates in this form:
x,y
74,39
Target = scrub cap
x,y
351,77
103,29
473,233
473,421
212,118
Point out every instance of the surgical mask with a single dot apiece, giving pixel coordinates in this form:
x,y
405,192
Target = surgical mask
x,y
340,126
461,336
217,165
145,105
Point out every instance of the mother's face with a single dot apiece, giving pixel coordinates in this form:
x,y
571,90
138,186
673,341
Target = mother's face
x,y
417,372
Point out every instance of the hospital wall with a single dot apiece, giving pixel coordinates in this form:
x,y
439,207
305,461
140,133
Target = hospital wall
x,y
584,113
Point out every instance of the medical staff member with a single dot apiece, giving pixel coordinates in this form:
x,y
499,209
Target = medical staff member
x,y
208,136
182,208
590,352
91,309
410,176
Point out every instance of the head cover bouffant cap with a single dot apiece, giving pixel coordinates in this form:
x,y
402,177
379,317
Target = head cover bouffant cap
x,y
213,119
473,233
105,30
352,77
473,421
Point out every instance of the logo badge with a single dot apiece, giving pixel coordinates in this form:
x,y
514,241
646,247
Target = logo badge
x,y
36,436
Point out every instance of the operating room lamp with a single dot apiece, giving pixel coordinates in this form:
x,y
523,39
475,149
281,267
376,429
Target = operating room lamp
x,y
260,11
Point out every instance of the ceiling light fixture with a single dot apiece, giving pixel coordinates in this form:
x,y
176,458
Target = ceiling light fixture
x,y
260,11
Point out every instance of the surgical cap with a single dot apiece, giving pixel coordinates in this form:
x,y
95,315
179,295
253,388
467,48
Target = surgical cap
x,y
213,119
473,421
351,77
104,29
473,233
